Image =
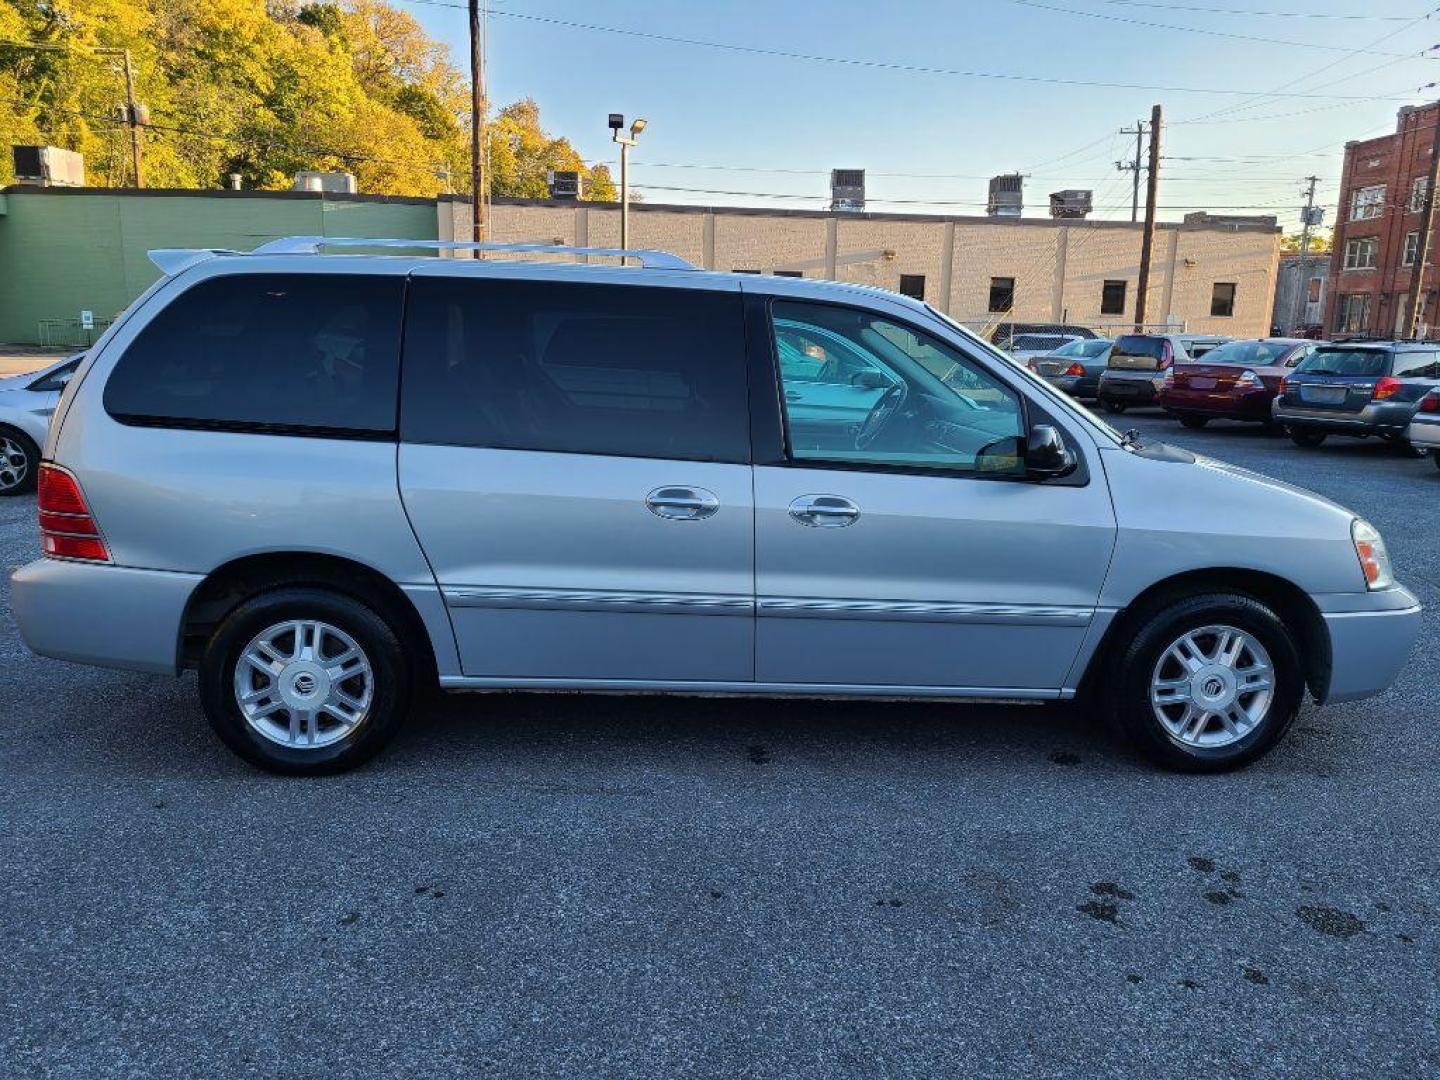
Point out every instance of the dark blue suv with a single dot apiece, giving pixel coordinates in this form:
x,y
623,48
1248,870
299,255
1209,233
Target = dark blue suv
x,y
1361,388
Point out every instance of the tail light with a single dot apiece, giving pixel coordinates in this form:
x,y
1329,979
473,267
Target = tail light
x,y
1167,354
67,529
1430,403
1076,369
1249,381
1387,387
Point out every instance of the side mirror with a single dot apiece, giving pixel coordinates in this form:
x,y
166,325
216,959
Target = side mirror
x,y
1046,454
870,379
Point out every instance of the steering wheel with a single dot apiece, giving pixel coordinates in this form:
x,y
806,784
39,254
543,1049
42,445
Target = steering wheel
x,y
885,409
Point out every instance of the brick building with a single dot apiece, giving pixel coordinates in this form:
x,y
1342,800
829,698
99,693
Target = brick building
x,y
1383,187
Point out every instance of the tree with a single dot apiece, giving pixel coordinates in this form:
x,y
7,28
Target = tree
x,y
263,89
1321,241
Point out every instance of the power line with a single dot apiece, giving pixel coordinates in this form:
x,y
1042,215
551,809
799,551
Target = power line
x,y
882,65
1200,30
1263,14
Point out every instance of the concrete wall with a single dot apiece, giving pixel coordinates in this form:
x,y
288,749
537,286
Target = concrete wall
x,y
67,250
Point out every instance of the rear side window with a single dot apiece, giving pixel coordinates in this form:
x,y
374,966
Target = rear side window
x,y
308,353
576,368
1417,365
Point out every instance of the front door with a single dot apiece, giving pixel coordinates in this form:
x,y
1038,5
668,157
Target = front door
x,y
574,458
906,547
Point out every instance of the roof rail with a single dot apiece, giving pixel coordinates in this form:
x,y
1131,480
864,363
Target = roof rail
x,y
311,245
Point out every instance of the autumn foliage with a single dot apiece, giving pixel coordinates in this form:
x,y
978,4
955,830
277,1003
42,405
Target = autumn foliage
x,y
264,90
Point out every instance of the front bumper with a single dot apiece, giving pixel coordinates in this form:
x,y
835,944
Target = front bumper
x,y
110,616
1369,643
1377,418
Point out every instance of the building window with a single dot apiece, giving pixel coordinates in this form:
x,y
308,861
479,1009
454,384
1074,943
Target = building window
x,y
737,270
1412,249
1112,298
1418,190
1352,313
1367,202
1222,299
1361,254
1312,290
913,285
789,273
1002,294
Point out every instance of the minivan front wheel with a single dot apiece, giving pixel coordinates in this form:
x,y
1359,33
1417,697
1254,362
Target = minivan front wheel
x,y
304,680
1207,683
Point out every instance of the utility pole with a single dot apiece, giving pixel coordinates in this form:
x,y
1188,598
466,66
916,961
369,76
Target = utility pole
x,y
1147,243
132,118
1134,167
1427,234
477,127
1307,222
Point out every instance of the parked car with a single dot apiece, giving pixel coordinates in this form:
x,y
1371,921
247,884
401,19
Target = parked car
x,y
26,403
1135,370
1075,367
1424,430
1005,333
326,481
1025,347
1236,381
1360,389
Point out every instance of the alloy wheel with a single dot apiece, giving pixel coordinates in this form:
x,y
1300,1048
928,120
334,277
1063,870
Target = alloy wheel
x,y
14,463
304,684
1212,687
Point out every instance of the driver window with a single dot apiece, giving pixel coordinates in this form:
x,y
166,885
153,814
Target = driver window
x,y
861,389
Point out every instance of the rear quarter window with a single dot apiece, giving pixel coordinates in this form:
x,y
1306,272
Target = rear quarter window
x,y
305,353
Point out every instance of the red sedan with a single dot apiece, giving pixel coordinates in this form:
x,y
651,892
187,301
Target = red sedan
x,y
1237,381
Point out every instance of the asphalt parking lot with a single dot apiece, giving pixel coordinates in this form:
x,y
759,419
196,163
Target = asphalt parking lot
x,y
581,885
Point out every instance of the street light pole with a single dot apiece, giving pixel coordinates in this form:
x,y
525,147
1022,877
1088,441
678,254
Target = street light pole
x,y
617,124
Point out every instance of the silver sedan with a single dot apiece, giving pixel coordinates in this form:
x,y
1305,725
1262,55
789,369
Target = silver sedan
x,y
26,405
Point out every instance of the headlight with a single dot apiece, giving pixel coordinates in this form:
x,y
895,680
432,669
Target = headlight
x,y
1374,559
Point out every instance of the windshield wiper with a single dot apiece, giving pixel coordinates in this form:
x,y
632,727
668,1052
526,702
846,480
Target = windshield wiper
x,y
1132,440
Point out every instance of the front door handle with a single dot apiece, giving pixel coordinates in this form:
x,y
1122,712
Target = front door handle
x,y
682,503
824,511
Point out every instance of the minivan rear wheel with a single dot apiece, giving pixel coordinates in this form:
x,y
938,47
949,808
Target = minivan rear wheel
x,y
19,462
305,681
1207,683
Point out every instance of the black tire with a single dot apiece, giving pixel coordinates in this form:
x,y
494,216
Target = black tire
x,y
1194,423
1435,457
391,666
1127,690
1306,437
1115,408
28,469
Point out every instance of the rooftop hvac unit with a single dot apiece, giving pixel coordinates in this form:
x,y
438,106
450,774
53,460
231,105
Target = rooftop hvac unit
x,y
1071,203
1007,195
847,189
336,183
48,166
563,183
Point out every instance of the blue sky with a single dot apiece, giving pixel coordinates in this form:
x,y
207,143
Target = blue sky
x,y
779,124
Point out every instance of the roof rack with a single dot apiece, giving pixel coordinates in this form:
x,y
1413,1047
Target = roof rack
x,y
311,245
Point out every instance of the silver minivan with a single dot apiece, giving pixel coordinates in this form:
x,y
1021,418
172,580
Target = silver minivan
x,y
327,481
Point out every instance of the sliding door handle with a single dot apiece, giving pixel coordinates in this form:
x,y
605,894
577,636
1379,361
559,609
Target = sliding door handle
x,y
824,511
682,503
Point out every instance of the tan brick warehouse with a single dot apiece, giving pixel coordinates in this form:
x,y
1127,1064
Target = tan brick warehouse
x,y
1059,267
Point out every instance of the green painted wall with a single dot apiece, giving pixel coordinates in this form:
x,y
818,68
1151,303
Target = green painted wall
x,y
62,252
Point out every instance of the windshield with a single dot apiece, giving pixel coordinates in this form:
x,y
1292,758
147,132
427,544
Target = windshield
x,y
1085,347
1362,362
1249,353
